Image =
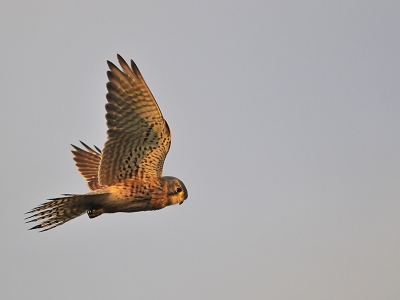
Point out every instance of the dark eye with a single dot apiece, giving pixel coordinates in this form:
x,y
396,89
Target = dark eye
x,y
178,190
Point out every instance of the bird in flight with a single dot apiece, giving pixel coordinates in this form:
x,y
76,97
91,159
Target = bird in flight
x,y
126,176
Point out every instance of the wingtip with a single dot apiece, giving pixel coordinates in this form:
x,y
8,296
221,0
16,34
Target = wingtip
x,y
88,149
111,65
98,149
86,146
121,60
135,69
76,148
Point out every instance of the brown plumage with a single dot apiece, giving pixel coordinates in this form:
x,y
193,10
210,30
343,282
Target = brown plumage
x,y
126,176
88,164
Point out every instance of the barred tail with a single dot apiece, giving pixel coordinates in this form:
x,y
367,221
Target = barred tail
x,y
60,210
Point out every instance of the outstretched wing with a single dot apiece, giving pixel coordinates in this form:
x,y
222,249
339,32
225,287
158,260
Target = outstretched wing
x,y
138,136
88,162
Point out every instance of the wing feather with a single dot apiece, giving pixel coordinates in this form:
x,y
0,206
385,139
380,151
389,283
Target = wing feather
x,y
138,138
88,162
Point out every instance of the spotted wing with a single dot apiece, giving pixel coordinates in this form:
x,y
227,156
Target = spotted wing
x,y
88,162
138,136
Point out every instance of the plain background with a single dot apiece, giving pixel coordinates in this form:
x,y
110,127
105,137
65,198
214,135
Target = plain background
x,y
285,122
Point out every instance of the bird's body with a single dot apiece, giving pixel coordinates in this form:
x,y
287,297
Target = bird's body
x,y
126,175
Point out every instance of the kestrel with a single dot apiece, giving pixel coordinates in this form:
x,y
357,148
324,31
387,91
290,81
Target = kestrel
x,y
127,175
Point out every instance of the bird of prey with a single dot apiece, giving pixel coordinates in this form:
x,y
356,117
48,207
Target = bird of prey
x,y
126,176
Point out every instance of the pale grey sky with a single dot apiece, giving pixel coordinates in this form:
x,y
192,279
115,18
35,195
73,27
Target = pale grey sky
x,y
285,122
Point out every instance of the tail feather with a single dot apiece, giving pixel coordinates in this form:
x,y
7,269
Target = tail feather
x,y
58,211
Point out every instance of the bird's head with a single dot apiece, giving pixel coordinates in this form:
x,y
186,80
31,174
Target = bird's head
x,y
176,190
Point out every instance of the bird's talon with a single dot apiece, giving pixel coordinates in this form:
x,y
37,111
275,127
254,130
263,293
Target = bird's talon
x,y
93,213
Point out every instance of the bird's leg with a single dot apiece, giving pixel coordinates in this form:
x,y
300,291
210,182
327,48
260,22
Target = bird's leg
x,y
95,212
